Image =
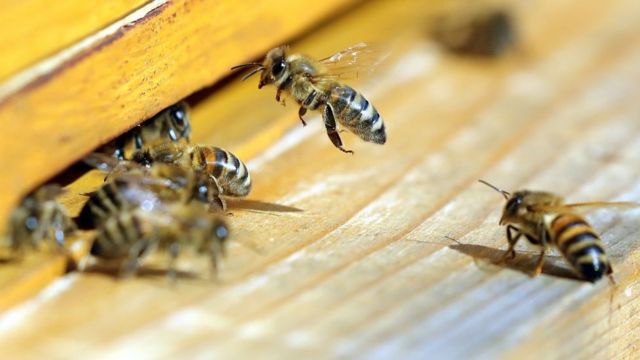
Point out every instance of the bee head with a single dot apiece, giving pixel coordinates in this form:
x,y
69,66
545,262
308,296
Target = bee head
x,y
273,66
180,124
514,208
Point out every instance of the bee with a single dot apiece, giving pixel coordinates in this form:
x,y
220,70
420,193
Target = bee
x,y
317,86
130,185
229,172
130,235
171,124
488,33
39,219
544,219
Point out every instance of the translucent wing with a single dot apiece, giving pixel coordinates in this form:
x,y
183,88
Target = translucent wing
x,y
353,62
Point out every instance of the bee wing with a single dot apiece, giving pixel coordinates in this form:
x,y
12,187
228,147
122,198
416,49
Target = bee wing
x,y
593,205
353,62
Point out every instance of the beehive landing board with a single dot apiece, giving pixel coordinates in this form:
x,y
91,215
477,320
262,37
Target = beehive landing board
x,y
367,268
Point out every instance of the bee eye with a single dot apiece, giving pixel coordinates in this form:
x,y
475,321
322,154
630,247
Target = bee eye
x,y
513,204
178,114
277,67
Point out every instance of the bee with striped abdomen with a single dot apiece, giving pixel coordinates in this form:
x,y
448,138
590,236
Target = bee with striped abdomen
x,y
224,167
544,219
130,235
481,32
39,219
171,124
317,85
130,185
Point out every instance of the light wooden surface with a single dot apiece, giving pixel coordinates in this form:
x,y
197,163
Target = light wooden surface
x,y
366,270
144,63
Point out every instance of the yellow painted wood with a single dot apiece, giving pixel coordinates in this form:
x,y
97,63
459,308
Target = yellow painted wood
x,y
33,29
147,64
367,268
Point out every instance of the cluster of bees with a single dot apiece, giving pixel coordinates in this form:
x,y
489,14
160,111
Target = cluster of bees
x,y
161,192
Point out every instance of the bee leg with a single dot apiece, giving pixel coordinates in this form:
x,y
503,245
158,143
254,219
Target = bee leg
x,y
538,269
543,242
330,124
511,253
131,264
301,113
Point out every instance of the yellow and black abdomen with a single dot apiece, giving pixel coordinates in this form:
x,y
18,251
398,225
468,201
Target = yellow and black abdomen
x,y
230,172
356,113
580,245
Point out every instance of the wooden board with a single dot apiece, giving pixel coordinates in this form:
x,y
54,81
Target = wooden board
x,y
64,108
366,269
34,29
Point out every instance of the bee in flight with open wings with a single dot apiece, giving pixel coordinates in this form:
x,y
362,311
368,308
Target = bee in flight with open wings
x,y
545,219
317,85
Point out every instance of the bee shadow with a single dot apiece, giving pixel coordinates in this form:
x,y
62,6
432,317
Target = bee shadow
x,y
142,272
256,205
523,262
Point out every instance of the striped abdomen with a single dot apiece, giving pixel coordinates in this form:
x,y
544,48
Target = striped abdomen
x,y
580,245
355,112
112,198
231,173
117,235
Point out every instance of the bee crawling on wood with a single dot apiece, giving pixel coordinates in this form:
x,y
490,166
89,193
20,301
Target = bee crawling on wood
x,y
38,220
317,85
130,185
483,33
229,172
171,124
544,220
130,235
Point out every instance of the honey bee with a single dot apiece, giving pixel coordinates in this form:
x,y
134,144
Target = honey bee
x,y
171,124
224,167
130,235
39,219
544,219
130,185
317,85
486,33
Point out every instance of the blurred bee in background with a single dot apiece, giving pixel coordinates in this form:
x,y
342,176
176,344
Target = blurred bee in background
x,y
38,220
171,124
317,85
544,219
482,33
130,185
131,234
229,172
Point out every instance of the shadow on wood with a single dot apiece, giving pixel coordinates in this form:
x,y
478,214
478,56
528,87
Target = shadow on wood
x,y
143,271
260,206
522,262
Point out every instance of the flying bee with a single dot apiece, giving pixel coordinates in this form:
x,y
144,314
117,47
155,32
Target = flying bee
x,y
224,167
171,124
130,185
39,219
483,33
544,219
130,235
317,85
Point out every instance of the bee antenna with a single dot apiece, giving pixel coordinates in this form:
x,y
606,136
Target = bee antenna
x,y
242,66
504,193
252,72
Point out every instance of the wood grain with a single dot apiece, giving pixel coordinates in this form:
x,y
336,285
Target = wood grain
x,y
367,269
130,74
34,29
